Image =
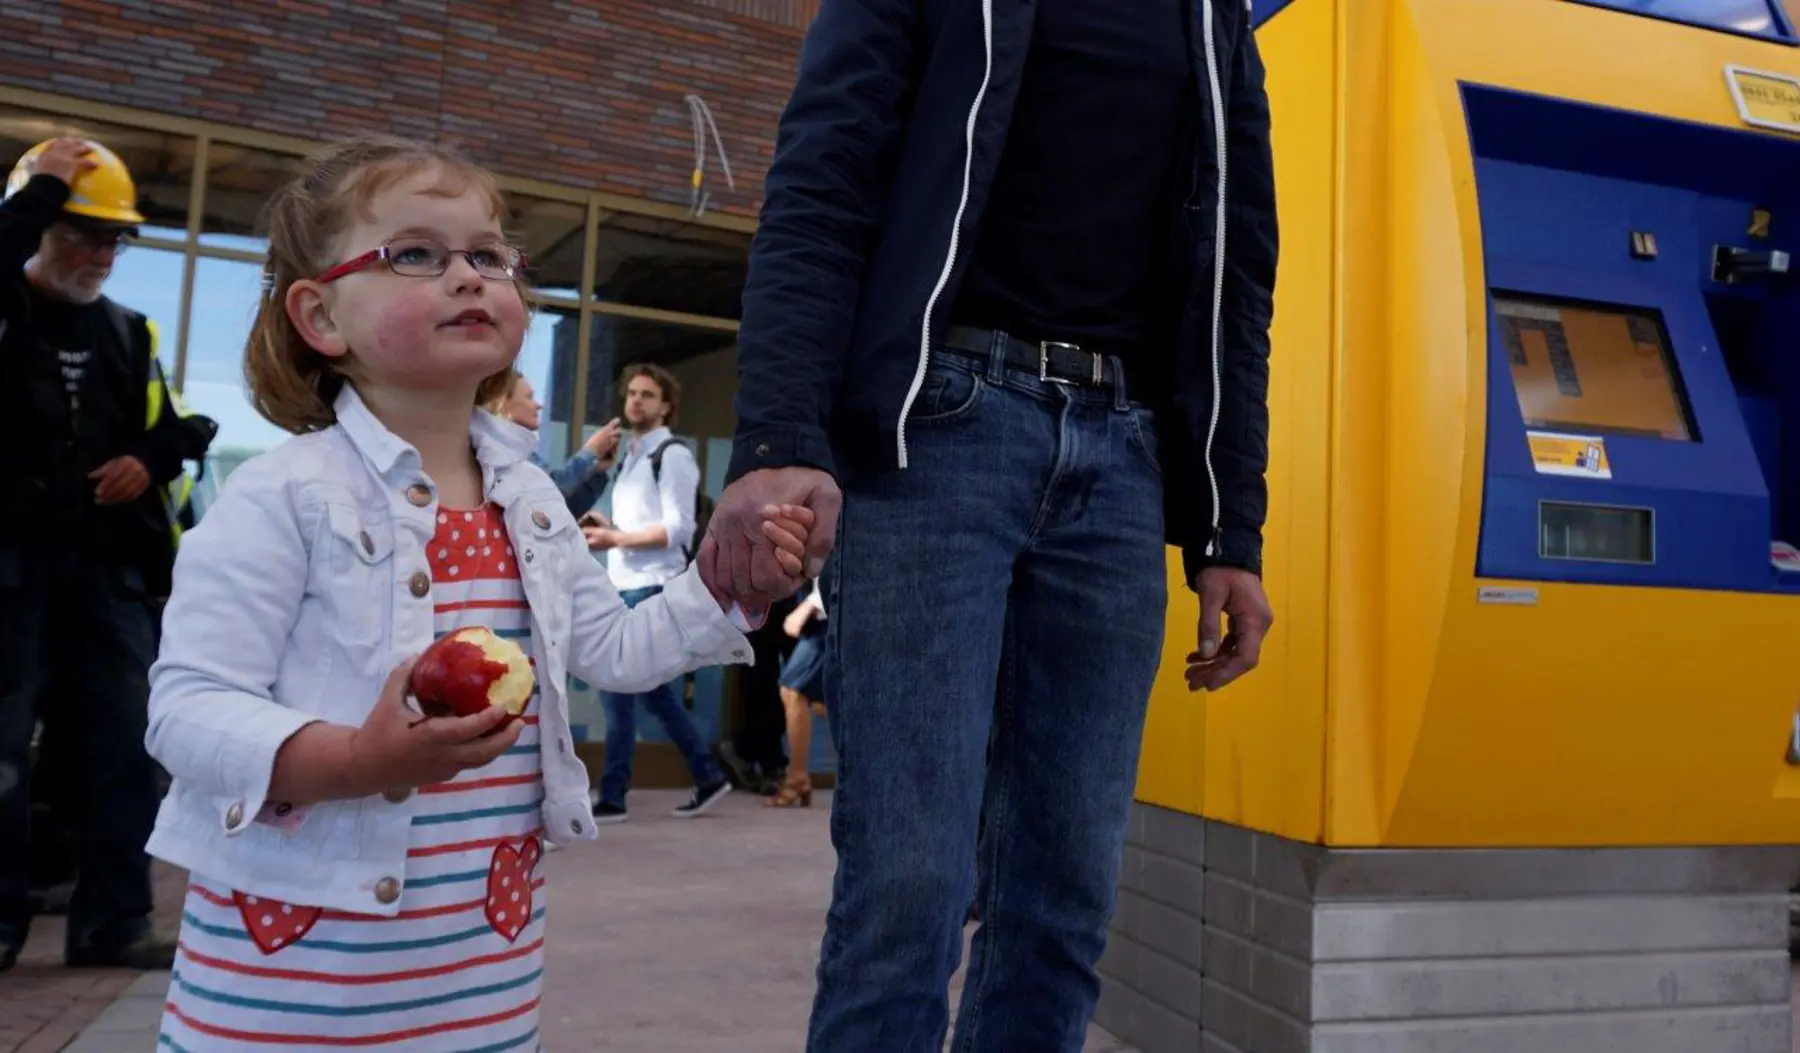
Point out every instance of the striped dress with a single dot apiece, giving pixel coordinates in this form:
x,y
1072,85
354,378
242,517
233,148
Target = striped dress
x,y
460,970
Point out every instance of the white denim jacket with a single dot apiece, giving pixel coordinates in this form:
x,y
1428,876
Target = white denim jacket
x,y
302,588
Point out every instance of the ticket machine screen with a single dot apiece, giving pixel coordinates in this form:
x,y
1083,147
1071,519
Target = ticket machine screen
x,y
1593,368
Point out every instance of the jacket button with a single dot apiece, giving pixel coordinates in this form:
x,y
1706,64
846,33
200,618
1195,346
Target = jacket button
x,y
419,494
541,520
762,449
396,796
234,816
368,543
387,890
421,583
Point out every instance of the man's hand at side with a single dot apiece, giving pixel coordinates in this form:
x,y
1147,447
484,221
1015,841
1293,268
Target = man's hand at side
x,y
120,480
743,558
1238,594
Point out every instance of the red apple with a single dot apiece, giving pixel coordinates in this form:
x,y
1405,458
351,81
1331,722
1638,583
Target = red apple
x,y
467,671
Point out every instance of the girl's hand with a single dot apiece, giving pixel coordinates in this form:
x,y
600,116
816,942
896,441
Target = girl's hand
x,y
397,749
788,526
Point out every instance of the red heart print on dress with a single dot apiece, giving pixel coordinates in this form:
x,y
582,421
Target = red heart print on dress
x,y
273,925
509,886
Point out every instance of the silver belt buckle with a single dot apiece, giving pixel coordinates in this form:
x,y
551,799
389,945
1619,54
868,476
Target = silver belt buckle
x,y
1044,349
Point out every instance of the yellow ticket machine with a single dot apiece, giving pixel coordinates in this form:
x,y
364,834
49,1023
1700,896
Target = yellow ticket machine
x,y
1518,772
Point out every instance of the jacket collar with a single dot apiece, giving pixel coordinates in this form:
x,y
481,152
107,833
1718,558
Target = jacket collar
x,y
498,443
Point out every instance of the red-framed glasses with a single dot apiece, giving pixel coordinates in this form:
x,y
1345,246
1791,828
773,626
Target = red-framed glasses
x,y
427,258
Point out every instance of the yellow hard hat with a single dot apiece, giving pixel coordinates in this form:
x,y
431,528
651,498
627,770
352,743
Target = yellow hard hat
x,y
104,193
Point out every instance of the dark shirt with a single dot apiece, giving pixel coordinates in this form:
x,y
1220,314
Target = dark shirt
x,y
1074,242
72,415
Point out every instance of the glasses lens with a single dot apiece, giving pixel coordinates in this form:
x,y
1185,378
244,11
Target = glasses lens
x,y
495,261
417,257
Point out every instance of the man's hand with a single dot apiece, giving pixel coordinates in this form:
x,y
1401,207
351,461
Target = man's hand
x,y
743,558
604,445
66,159
600,538
1238,594
120,480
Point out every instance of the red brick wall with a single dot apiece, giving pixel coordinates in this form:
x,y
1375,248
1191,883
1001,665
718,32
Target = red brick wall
x,y
582,92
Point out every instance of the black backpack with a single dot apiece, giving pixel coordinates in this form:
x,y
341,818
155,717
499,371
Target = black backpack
x,y
703,503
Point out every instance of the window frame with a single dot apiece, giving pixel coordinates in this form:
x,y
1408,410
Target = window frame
x,y
597,203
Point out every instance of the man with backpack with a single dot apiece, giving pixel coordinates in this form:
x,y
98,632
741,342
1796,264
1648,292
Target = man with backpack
x,y
85,542
658,519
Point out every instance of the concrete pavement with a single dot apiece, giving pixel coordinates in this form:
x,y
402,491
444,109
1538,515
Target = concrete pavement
x,y
696,936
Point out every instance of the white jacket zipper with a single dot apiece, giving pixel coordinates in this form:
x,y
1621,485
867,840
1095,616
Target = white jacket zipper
x,y
1218,299
962,204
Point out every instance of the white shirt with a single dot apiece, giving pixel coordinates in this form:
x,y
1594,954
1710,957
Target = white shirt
x,y
641,501
305,584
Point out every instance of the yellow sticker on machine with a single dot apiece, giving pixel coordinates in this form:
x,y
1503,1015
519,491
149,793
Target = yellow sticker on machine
x,y
1764,99
1583,456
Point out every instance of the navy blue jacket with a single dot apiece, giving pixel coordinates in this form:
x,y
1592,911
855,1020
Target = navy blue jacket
x,y
883,164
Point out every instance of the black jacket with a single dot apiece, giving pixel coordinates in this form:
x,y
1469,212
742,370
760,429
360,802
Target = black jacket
x,y
885,158
124,368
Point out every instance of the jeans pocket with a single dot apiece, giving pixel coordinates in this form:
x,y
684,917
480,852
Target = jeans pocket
x,y
1141,433
950,393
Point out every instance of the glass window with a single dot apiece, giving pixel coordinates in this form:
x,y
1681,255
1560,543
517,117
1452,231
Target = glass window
x,y
551,233
226,293
148,281
551,327
1755,17
239,182
671,265
615,343
161,164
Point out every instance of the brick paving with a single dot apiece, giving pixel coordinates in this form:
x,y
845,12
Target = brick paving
x,y
667,934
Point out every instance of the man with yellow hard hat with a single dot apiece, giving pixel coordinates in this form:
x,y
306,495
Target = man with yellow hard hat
x,y
84,538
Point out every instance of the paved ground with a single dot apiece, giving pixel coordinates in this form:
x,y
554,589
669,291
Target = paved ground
x,y
690,935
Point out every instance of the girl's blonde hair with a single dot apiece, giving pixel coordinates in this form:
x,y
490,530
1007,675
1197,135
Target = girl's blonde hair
x,y
292,385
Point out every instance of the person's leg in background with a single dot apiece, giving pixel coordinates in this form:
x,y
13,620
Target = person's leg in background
x,y
1083,644
55,793
802,679
24,639
621,736
710,784
621,743
753,757
104,661
916,597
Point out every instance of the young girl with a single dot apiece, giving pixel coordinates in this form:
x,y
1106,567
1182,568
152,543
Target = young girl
x,y
362,876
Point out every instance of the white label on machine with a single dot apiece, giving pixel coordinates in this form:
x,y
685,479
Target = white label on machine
x,y
1784,556
1512,597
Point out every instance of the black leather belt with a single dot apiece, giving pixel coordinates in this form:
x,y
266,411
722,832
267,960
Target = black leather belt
x,y
1049,360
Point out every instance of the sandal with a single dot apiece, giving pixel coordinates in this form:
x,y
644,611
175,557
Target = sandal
x,y
792,795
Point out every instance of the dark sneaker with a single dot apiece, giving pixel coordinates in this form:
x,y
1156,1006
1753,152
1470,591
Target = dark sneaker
x,y
740,771
9,956
704,797
605,813
144,953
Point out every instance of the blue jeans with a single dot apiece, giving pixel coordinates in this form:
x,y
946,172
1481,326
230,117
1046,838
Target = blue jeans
x,y
996,623
664,703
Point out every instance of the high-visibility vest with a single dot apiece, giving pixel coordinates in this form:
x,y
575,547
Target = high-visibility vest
x,y
179,491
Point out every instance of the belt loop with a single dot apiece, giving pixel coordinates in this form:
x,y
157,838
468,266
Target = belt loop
x,y
1121,399
997,348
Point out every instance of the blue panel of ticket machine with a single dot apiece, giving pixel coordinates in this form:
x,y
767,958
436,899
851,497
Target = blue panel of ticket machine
x,y
1644,334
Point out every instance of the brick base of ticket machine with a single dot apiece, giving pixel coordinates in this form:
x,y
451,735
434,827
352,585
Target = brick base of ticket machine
x,y
1515,774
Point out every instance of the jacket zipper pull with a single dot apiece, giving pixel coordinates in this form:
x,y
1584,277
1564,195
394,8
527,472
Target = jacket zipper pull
x,y
1215,546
